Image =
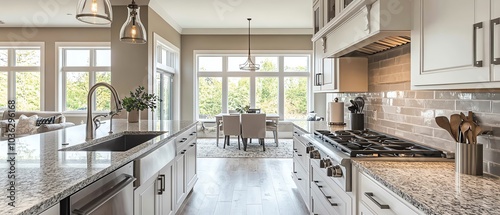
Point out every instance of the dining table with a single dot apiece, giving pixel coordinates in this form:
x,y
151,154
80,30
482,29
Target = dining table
x,y
218,118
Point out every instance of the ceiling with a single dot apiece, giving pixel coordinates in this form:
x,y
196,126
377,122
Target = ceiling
x,y
185,14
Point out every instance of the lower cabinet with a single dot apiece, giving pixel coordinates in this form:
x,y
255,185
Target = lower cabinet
x,y
54,210
155,195
191,176
374,198
185,168
180,182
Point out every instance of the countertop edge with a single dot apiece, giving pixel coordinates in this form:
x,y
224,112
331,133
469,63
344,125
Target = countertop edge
x,y
394,189
49,202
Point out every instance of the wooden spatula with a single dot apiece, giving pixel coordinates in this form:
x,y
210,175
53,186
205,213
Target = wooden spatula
x,y
465,128
444,123
455,125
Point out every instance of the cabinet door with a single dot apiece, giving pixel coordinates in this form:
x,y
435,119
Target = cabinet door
x,y
191,166
318,65
180,182
167,196
146,197
444,48
495,39
363,210
329,74
54,210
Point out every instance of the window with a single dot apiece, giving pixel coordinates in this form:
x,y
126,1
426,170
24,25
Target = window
x,y
279,87
21,77
81,68
167,64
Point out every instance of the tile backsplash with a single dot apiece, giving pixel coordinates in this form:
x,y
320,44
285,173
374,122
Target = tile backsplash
x,y
393,108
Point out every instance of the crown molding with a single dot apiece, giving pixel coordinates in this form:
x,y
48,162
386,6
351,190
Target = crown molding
x,y
244,31
154,5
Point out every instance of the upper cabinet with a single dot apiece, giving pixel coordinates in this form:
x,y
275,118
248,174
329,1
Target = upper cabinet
x,y
455,44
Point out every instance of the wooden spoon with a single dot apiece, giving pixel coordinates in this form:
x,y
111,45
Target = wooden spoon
x,y
455,125
465,131
444,123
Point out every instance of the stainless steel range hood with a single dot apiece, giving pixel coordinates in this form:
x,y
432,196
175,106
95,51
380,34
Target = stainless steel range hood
x,y
368,27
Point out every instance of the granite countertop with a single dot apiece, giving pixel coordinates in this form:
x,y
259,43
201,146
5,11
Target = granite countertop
x,y
44,175
311,126
435,187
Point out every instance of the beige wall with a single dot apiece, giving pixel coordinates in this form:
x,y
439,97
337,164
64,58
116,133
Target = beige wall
x,y
190,43
50,36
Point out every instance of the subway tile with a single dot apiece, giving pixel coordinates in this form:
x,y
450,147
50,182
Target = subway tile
x,y
387,62
493,168
446,104
445,95
489,142
424,95
491,155
404,127
394,53
443,134
406,49
495,107
373,66
476,106
405,59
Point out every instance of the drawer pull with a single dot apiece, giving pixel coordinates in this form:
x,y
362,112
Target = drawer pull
x,y
328,198
381,206
300,179
299,155
183,140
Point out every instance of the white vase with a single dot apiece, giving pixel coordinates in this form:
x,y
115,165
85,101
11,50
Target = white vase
x,y
134,116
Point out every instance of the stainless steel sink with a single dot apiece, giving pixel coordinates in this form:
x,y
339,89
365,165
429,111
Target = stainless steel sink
x,y
121,143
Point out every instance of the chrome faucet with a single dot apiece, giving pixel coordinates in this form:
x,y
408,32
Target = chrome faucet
x,y
90,124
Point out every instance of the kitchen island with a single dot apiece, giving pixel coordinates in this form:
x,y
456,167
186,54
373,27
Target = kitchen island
x,y
44,175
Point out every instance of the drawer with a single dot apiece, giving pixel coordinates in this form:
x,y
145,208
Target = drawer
x,y
380,200
331,195
317,207
184,138
300,151
301,179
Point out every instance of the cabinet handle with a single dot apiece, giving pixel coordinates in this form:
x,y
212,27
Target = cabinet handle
x,y
183,151
318,79
300,179
183,140
299,155
381,206
161,178
328,198
475,27
493,23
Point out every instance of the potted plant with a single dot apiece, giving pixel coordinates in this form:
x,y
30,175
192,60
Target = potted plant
x,y
139,100
243,109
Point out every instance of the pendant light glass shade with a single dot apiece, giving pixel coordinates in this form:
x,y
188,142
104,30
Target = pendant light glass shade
x,y
132,30
98,12
249,64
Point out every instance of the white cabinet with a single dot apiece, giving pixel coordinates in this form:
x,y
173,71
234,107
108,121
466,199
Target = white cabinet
x,y
54,210
346,74
166,178
155,195
146,197
300,172
374,198
495,39
452,44
185,166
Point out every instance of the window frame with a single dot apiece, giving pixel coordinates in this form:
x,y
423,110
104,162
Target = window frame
x,y
225,74
11,69
92,69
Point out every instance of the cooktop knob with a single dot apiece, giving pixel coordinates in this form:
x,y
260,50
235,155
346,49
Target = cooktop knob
x,y
314,154
324,163
309,149
336,171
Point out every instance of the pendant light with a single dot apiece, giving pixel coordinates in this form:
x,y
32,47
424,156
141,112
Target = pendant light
x,y
249,64
132,30
98,12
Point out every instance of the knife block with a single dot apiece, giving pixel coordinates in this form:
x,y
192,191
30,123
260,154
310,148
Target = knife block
x,y
357,121
469,159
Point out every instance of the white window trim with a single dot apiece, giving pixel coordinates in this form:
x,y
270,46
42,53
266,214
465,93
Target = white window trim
x,y
12,81
176,94
61,72
281,74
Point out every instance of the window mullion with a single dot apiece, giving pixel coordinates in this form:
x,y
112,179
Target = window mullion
x,y
225,87
281,91
92,80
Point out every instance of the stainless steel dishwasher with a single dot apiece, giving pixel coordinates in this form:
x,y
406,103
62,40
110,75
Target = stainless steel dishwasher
x,y
111,195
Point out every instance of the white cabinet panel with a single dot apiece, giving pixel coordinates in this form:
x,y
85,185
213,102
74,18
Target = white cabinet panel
x,y
495,38
180,182
191,176
450,44
166,197
145,198
54,210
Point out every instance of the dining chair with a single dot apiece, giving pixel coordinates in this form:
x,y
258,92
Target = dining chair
x,y
253,125
231,126
272,125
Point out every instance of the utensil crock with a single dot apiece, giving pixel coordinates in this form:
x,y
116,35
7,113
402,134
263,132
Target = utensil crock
x,y
469,159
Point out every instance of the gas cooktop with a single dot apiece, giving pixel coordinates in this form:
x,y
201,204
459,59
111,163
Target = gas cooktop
x,y
369,143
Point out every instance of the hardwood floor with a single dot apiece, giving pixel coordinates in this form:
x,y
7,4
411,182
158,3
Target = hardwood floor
x,y
234,186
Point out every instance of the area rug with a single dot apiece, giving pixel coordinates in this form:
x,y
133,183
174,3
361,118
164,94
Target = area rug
x,y
207,149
